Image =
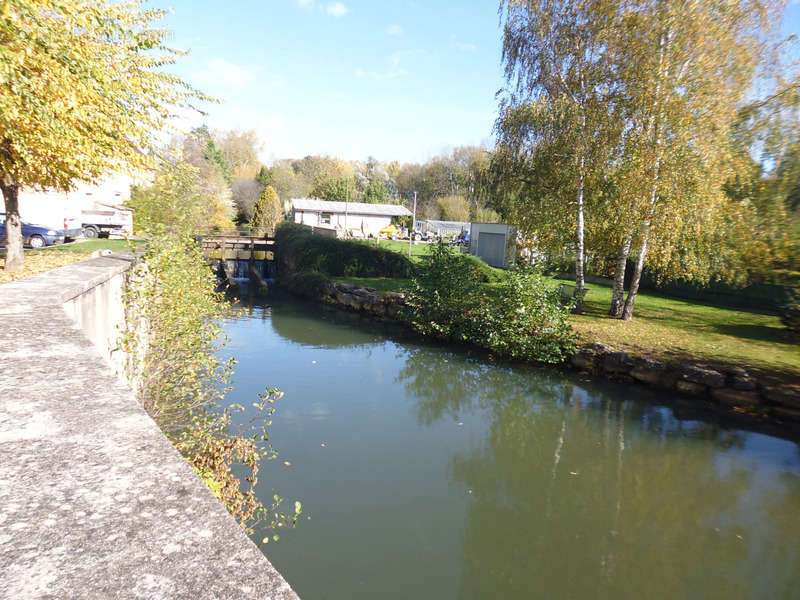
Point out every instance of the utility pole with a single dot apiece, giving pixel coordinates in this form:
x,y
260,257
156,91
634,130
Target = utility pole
x,y
412,229
346,200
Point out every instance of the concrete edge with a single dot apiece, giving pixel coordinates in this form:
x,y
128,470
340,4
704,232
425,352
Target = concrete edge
x,y
132,520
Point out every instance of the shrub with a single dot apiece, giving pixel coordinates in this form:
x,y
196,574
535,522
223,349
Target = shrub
x,y
310,284
790,310
485,273
520,317
298,250
172,339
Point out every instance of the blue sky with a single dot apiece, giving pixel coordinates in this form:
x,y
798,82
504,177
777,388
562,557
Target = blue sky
x,y
402,80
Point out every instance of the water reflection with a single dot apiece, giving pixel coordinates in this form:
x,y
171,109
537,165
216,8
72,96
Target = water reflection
x,y
587,496
445,475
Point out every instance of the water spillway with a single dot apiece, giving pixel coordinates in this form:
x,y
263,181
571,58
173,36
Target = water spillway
x,y
430,472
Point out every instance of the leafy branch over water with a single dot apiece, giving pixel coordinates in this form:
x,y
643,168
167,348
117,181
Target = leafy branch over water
x,y
172,340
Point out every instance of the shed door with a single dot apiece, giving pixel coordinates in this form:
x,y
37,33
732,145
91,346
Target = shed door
x,y
492,248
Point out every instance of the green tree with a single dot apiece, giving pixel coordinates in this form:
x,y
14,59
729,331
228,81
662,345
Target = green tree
x,y
454,208
377,192
84,91
245,194
556,124
267,213
672,57
240,149
335,189
178,198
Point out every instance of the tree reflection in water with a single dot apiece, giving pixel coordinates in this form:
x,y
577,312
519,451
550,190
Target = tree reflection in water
x,y
580,494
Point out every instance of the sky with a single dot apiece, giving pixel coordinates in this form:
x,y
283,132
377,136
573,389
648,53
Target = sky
x,y
403,80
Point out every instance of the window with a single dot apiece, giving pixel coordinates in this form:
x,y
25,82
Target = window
x,y
325,218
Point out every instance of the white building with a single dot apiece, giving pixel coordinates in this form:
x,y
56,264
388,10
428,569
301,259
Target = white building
x,y
356,217
55,209
494,243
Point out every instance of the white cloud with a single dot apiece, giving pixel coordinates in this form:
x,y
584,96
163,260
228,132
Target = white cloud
x,y
395,68
337,9
221,72
398,29
462,46
307,4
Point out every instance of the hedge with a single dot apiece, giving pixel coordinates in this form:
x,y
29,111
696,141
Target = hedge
x,y
298,250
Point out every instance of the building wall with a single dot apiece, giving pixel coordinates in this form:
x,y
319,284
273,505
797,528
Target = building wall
x,y
494,228
368,224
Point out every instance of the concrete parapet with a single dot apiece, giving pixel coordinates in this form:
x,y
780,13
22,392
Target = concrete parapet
x,y
96,501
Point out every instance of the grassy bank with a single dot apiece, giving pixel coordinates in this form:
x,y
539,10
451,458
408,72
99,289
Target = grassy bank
x,y
46,259
677,330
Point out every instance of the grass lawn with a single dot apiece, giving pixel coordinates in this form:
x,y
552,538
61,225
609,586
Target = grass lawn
x,y
417,250
673,330
52,257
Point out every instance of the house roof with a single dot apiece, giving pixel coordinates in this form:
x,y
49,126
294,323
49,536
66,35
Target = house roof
x,y
358,208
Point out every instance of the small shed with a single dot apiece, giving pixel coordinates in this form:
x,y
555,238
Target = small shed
x,y
369,219
493,243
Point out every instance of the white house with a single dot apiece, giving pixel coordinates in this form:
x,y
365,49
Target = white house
x,y
368,219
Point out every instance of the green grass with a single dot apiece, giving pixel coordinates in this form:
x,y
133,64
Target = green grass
x,y
676,330
88,246
52,257
417,250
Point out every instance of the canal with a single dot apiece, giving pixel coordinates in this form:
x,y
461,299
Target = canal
x,y
429,472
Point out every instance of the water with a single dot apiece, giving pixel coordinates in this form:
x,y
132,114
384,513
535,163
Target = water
x,y
431,473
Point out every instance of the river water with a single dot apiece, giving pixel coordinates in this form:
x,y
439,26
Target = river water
x,y
429,472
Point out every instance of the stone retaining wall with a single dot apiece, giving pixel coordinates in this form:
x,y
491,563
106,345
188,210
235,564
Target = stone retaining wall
x,y
96,502
726,386
368,300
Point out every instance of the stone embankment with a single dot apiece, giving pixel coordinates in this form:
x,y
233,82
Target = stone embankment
x,y
381,304
727,386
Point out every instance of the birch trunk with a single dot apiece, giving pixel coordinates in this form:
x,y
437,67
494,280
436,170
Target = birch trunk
x,y
579,249
630,301
618,288
15,256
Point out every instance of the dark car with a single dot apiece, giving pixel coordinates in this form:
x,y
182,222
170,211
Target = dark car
x,y
34,236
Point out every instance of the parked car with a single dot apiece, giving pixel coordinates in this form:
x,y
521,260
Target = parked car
x,y
34,236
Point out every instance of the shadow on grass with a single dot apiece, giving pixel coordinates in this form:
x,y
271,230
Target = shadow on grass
x,y
762,333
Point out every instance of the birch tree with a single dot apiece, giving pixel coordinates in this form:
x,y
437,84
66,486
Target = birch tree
x,y
82,92
686,69
554,124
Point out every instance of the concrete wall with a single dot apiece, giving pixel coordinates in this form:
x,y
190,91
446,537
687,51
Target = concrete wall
x,y
99,313
97,503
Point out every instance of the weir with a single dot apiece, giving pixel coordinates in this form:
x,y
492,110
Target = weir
x,y
242,259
